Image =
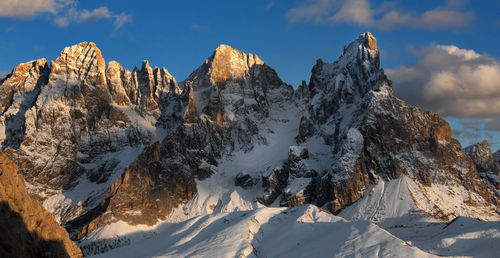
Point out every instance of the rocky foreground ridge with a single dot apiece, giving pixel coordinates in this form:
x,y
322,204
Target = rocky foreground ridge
x,y
99,144
26,228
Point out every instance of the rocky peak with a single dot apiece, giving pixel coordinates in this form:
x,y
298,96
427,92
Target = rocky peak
x,y
165,81
230,64
353,78
355,73
146,68
115,75
23,79
225,65
481,155
362,51
79,63
370,41
26,70
230,78
486,164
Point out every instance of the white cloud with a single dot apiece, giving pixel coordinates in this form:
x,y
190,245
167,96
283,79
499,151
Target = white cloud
x,y
464,53
95,15
86,16
386,16
63,11
314,11
30,8
121,19
451,81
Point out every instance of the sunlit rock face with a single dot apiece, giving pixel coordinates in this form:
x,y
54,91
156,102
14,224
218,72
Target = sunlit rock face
x,y
26,228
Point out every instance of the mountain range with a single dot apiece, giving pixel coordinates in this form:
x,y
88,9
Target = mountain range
x,y
232,161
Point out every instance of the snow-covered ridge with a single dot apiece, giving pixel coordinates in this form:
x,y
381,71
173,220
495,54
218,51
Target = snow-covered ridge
x,y
267,232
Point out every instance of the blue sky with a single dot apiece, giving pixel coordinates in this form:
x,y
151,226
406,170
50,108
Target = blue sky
x,y
414,38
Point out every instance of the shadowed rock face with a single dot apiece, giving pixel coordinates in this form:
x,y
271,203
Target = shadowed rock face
x,y
481,156
26,228
161,179
486,165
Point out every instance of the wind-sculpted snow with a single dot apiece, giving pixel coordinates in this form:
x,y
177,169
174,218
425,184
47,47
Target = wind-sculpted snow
x,y
305,231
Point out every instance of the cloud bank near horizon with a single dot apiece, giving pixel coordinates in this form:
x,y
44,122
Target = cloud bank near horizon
x,y
385,16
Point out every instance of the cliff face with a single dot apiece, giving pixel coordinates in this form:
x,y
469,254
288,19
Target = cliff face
x,y
26,228
487,165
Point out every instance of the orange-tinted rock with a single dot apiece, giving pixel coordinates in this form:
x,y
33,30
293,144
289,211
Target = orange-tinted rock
x,y
26,228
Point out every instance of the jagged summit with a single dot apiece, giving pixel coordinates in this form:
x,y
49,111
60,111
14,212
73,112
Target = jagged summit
x,y
487,165
481,155
362,50
355,73
81,62
229,79
226,64
370,41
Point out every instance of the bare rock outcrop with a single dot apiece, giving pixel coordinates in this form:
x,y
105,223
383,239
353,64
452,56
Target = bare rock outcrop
x,y
487,166
26,228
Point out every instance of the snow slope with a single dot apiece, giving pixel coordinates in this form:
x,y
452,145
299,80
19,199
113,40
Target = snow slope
x,y
387,200
392,206
462,237
305,231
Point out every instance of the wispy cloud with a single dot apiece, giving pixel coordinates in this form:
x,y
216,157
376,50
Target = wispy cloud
x,y
451,81
88,16
204,28
64,12
121,19
385,16
3,74
30,8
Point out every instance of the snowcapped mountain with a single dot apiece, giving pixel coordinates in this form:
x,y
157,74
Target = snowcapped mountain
x,y
201,168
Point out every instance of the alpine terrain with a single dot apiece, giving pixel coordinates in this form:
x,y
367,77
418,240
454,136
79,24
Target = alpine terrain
x,y
234,162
